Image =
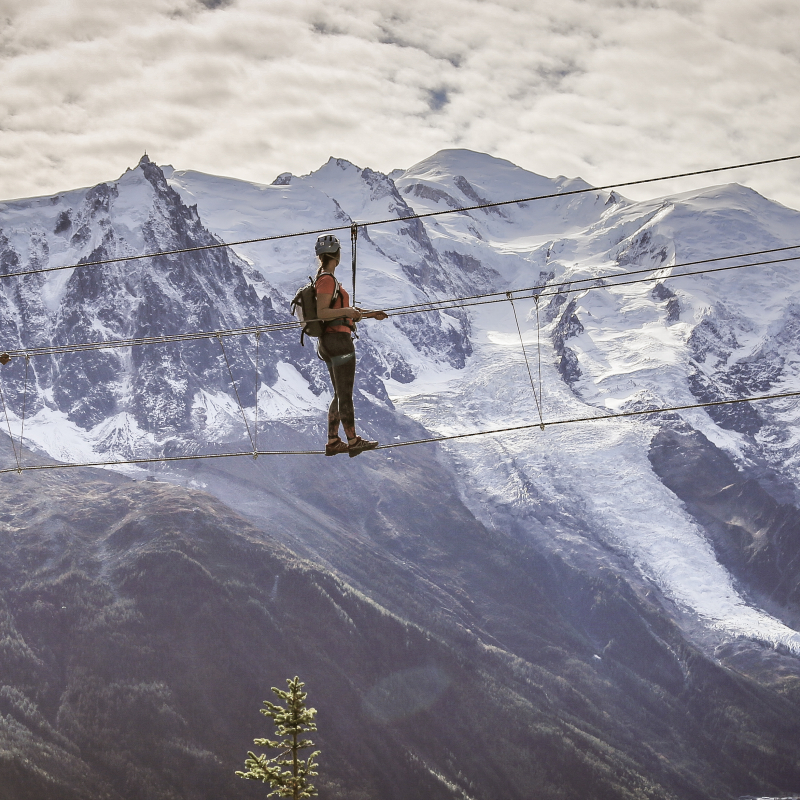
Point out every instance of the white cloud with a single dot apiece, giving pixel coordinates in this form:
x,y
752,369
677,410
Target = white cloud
x,y
605,89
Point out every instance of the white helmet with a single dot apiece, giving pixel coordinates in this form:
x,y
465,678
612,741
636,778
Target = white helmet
x,y
327,243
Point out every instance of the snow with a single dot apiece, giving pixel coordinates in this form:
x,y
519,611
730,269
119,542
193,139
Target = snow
x,y
117,437
630,353
626,353
604,463
289,397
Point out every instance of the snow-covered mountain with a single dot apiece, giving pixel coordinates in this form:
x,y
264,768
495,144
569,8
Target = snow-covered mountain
x,y
662,343
697,511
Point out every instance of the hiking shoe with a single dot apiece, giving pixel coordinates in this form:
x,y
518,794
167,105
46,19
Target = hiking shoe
x,y
359,445
333,448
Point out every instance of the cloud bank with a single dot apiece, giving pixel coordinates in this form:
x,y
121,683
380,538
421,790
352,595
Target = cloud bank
x,y
608,90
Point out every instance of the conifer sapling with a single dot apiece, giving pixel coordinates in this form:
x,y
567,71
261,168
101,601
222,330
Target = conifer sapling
x,y
286,773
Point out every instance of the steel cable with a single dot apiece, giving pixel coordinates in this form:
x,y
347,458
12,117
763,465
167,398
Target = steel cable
x,y
8,423
258,388
528,366
430,305
236,392
406,218
24,406
429,440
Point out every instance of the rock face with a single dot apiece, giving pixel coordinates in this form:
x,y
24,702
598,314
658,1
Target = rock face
x,y
604,609
568,325
757,537
151,394
163,295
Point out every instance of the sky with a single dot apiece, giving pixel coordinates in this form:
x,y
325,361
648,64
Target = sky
x,y
605,90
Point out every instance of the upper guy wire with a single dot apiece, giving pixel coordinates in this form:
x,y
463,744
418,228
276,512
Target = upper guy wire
x,y
562,288
423,215
487,298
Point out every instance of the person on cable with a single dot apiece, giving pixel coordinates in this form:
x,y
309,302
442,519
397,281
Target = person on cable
x,y
336,348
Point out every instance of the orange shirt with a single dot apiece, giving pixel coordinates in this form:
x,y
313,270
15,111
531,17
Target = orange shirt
x,y
326,284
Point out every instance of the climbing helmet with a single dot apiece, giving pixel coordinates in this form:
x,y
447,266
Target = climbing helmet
x,y
327,243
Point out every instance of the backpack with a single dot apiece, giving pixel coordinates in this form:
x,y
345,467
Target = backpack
x,y
304,307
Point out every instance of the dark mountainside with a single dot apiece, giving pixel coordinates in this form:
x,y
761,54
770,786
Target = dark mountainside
x,y
753,533
142,623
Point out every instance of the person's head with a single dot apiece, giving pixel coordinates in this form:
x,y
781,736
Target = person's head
x,y
328,251
329,261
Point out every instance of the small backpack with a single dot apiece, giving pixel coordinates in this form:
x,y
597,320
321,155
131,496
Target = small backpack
x,y
304,307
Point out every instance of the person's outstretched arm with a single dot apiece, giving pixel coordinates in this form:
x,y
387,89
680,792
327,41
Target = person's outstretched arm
x,y
365,314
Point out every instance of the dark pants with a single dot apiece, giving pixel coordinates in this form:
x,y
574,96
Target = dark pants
x,y
339,354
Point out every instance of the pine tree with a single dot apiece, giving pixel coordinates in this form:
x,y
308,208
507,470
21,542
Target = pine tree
x,y
291,722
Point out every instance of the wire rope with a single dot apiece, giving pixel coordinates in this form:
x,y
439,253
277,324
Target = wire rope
x,y
354,245
399,311
467,303
24,406
405,218
525,356
8,423
429,305
627,273
539,346
429,440
236,392
258,389
596,418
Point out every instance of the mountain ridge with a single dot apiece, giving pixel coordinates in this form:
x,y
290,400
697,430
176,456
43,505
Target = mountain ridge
x,y
555,553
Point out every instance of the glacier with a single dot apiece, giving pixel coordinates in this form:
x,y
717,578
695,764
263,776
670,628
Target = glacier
x,y
585,490
628,351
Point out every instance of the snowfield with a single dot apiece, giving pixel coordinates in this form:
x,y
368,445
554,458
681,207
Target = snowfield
x,y
668,341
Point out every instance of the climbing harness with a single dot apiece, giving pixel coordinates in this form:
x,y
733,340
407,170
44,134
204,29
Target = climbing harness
x,y
536,397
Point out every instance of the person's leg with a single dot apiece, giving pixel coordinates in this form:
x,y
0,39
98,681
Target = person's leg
x,y
333,421
345,374
343,366
333,411
338,352
333,408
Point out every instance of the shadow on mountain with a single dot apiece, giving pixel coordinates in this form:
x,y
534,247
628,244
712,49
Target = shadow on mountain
x,y
143,623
